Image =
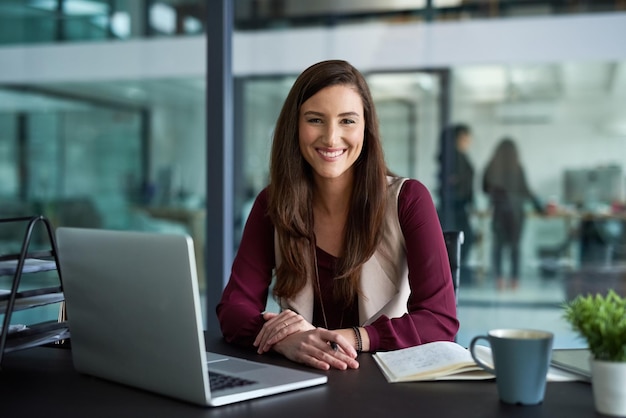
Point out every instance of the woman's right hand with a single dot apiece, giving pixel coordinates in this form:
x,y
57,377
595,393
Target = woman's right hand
x,y
319,348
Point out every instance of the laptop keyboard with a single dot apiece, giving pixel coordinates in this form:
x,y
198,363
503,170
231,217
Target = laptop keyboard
x,y
221,381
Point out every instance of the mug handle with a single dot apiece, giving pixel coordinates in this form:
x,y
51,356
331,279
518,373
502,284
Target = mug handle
x,y
476,359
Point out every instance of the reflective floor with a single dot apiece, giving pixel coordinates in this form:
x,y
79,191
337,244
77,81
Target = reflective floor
x,y
535,304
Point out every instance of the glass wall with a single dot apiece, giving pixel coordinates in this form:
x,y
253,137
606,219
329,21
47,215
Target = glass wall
x,y
74,161
566,121
44,21
93,155
68,160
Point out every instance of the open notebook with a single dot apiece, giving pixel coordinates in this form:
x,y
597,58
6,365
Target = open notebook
x,y
133,307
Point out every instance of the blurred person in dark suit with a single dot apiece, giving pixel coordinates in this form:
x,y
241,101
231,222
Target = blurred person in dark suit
x,y
456,188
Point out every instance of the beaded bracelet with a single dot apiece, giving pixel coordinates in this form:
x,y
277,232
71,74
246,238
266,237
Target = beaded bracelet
x,y
359,341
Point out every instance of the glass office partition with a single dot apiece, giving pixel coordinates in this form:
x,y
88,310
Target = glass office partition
x,y
409,106
85,154
40,21
398,134
102,165
9,166
570,135
566,121
80,168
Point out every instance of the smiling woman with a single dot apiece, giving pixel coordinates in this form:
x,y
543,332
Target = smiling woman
x,y
336,227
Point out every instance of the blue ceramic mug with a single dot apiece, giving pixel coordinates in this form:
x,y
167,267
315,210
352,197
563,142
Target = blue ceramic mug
x,y
521,358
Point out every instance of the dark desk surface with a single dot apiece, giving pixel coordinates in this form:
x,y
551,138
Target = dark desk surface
x,y
42,382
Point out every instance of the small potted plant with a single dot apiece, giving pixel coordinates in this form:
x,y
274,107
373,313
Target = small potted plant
x,y
601,321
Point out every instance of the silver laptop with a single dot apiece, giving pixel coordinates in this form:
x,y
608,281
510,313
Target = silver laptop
x,y
133,307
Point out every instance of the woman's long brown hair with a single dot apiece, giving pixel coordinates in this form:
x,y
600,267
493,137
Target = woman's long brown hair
x,y
291,188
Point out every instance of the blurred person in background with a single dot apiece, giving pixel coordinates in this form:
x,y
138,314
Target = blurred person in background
x,y
505,184
456,189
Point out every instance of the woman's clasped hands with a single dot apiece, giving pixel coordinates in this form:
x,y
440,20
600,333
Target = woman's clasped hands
x,y
291,335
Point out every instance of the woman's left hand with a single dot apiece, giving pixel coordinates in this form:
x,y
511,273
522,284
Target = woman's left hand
x,y
279,326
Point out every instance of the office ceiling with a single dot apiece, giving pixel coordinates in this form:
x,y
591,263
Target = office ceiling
x,y
545,82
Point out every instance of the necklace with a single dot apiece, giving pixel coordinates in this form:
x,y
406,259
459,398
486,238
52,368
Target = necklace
x,y
319,290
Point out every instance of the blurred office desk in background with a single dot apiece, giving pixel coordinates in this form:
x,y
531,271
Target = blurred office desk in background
x,y
562,239
194,220
602,238
42,382
596,279
600,262
601,227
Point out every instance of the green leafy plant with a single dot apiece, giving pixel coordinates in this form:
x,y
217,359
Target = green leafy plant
x,y
601,320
